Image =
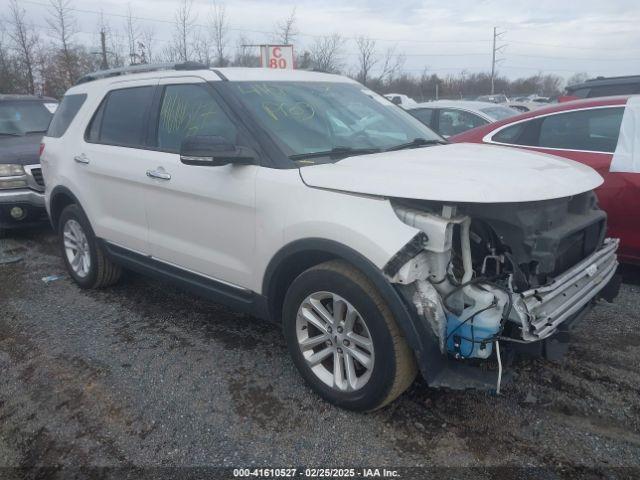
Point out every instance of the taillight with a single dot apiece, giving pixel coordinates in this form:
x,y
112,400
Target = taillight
x,y
41,149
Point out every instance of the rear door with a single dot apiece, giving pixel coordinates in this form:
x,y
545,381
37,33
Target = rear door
x,y
201,218
112,164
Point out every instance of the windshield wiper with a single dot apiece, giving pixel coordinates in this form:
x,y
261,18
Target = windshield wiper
x,y
416,142
35,131
11,134
335,152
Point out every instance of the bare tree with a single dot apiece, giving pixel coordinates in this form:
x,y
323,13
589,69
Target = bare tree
x,y
245,56
286,30
185,20
132,33
220,29
578,77
9,81
366,58
325,53
202,46
148,38
391,64
25,42
63,25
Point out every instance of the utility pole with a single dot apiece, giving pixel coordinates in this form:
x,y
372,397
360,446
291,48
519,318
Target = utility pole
x,y
104,65
494,51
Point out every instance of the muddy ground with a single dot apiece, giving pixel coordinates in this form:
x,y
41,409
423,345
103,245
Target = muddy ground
x,y
142,374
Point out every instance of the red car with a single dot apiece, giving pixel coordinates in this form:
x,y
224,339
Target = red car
x,y
603,133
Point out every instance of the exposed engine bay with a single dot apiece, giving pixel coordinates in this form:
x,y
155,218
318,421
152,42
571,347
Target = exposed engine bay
x,y
483,273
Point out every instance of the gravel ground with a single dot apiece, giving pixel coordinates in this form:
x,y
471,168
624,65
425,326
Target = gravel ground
x,y
142,374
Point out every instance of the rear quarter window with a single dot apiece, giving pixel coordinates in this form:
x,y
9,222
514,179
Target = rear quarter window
x,y
123,117
65,113
425,115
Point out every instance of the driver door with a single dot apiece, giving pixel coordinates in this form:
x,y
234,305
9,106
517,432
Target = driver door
x,y
201,218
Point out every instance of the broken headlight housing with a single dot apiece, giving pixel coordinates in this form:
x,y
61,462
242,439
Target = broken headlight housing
x,y
12,176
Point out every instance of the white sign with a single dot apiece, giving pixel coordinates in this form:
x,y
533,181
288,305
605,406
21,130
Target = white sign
x,y
51,107
277,56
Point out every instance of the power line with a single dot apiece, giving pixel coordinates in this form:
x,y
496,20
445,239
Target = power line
x,y
520,42
172,22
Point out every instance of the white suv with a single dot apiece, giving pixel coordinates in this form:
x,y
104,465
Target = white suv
x,y
306,199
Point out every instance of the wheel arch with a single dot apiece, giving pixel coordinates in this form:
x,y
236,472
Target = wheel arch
x,y
61,197
297,256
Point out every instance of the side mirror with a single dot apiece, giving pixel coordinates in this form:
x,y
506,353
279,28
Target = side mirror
x,y
214,151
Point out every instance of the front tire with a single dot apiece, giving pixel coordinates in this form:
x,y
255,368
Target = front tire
x,y
343,338
86,262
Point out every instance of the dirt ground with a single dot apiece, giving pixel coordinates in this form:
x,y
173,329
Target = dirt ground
x,y
143,375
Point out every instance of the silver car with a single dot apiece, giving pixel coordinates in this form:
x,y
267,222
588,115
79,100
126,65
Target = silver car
x,y
451,117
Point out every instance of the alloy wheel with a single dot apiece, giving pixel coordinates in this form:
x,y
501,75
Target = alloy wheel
x,y
76,247
335,341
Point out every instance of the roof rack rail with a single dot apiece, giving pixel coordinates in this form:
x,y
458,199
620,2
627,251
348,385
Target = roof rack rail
x,y
114,72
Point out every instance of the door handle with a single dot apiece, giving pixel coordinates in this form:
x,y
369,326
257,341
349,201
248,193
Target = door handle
x,y
160,174
82,158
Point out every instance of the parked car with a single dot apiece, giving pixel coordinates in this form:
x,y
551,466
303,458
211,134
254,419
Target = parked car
x,y
587,131
450,117
523,106
493,98
23,121
401,100
379,250
603,87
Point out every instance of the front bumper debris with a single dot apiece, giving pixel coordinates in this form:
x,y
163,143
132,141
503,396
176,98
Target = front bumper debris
x,y
547,307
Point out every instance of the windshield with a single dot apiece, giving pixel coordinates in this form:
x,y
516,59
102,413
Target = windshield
x,y
498,113
20,118
307,118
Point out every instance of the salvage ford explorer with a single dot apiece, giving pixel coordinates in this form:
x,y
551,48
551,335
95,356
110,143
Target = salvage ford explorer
x,y
307,199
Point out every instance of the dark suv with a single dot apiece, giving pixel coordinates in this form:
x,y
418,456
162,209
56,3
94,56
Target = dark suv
x,y
23,121
603,87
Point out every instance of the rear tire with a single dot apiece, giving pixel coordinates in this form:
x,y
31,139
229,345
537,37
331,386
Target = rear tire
x,y
333,315
86,261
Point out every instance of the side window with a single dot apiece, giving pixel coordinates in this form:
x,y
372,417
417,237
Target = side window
x,y
124,119
65,114
609,90
594,130
581,92
523,133
93,132
190,110
425,115
453,121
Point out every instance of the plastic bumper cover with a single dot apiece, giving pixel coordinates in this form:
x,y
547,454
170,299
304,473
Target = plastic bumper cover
x,y
22,196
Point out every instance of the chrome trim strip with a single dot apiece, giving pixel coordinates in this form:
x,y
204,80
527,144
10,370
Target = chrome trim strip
x,y
488,138
23,195
228,284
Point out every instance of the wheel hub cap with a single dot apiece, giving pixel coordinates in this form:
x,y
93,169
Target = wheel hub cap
x,y
76,248
335,341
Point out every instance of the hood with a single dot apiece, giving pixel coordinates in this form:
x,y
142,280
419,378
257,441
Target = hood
x,y
461,172
23,150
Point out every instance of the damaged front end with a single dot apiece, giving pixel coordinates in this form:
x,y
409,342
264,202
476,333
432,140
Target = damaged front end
x,y
480,274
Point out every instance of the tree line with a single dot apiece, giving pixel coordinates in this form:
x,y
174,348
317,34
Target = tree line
x,y
49,63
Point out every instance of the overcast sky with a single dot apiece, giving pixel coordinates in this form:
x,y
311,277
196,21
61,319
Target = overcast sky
x,y
447,36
